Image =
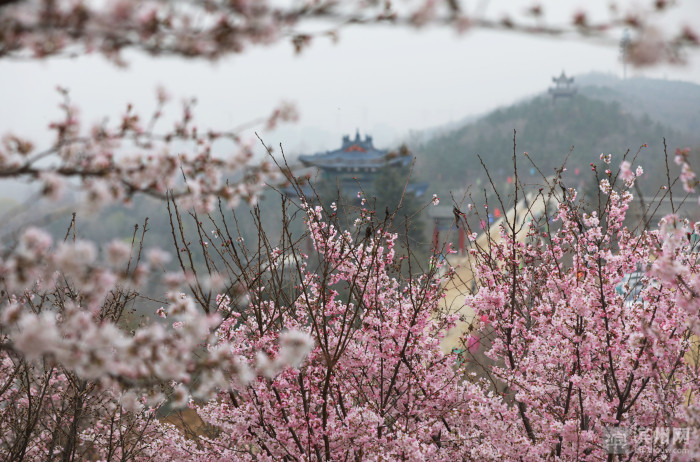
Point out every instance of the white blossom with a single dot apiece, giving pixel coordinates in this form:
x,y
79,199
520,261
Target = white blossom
x,y
294,347
118,253
130,402
36,335
180,396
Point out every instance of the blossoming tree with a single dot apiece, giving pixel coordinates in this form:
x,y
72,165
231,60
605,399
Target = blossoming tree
x,y
568,351
376,384
579,348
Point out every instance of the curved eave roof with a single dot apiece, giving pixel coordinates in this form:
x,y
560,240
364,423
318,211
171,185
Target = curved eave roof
x,y
335,160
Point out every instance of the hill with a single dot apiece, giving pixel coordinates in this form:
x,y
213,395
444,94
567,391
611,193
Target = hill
x,y
547,130
672,103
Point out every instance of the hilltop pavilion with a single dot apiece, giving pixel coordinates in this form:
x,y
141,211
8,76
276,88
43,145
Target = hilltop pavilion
x,y
563,87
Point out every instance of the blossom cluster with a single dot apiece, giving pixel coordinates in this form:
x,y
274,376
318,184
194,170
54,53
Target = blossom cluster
x,y
215,28
687,176
114,163
575,343
375,384
346,364
57,309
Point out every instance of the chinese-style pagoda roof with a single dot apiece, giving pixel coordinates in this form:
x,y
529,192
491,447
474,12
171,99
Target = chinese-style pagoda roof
x,y
563,86
563,79
353,154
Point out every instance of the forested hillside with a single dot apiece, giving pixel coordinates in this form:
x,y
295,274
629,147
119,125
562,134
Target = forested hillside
x,y
673,103
547,130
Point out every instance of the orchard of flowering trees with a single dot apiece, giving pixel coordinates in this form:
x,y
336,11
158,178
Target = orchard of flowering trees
x,y
287,351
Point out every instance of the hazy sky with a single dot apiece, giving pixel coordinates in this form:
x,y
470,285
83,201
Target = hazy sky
x,y
386,81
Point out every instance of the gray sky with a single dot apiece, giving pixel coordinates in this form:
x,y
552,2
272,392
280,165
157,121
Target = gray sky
x,y
385,81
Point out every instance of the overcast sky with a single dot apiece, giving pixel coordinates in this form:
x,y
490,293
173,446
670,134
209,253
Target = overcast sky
x,y
385,81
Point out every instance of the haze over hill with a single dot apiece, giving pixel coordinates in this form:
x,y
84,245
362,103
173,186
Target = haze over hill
x,y
673,103
606,115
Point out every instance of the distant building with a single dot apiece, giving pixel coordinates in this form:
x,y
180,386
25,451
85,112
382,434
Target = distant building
x,y
354,156
563,87
358,161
